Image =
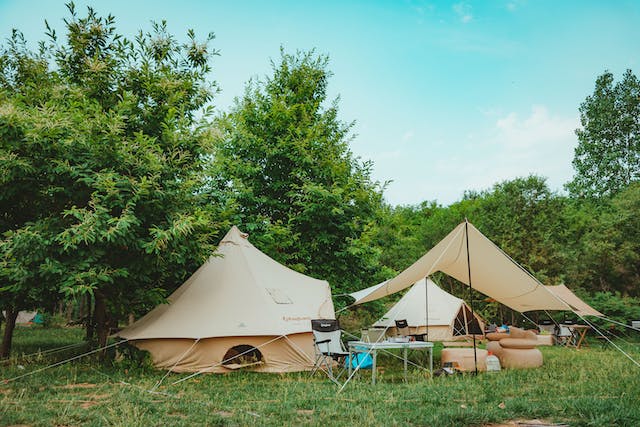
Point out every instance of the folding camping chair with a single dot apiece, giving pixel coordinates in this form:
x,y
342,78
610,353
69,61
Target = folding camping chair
x,y
402,326
329,348
563,335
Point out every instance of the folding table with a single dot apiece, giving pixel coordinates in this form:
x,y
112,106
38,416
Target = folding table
x,y
373,347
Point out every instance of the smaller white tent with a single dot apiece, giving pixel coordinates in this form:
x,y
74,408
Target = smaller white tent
x,y
449,317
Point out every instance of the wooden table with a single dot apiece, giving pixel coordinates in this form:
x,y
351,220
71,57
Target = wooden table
x,y
578,333
373,347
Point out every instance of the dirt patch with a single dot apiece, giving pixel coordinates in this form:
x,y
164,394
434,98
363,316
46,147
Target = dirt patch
x,y
100,396
78,385
177,414
224,414
305,411
527,423
88,404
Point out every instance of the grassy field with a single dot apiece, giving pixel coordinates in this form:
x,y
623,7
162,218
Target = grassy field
x,y
589,387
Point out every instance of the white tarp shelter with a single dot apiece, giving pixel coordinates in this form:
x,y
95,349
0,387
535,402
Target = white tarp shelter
x,y
449,317
578,306
239,301
483,264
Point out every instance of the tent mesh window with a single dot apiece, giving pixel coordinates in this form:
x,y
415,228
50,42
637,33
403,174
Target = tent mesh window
x,y
458,326
242,355
472,325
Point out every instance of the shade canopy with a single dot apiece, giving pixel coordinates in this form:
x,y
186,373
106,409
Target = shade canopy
x,y
488,269
239,291
578,306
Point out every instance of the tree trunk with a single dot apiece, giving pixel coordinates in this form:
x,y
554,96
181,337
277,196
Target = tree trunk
x,y
102,323
88,318
69,312
11,315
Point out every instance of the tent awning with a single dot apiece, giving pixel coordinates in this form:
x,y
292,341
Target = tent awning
x,y
492,272
577,305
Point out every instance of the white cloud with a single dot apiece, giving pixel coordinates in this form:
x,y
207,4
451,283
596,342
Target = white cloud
x,y
510,146
540,143
540,131
513,5
502,145
463,10
408,135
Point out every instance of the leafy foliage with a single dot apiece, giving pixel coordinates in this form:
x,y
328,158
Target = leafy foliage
x,y
623,309
607,157
103,169
284,161
612,246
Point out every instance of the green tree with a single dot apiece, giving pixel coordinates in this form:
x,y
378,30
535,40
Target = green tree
x,y
284,161
607,157
103,154
611,247
524,218
25,253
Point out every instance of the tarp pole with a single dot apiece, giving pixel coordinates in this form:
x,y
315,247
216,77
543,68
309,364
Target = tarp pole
x,y
475,353
426,297
466,321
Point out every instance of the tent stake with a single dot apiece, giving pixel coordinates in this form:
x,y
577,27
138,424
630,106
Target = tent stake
x,y
475,353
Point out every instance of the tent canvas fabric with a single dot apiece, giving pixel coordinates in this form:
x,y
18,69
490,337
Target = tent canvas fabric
x,y
493,272
239,297
24,316
449,317
578,306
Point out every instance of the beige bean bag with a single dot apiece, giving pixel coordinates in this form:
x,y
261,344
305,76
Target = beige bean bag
x,y
463,358
517,349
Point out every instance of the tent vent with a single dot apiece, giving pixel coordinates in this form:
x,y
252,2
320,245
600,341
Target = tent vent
x,y
279,296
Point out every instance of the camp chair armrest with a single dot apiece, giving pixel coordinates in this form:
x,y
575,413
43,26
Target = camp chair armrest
x,y
323,341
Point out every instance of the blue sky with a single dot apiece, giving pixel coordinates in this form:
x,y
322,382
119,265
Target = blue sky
x,y
447,96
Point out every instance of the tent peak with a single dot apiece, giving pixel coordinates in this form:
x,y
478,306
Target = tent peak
x,y
235,236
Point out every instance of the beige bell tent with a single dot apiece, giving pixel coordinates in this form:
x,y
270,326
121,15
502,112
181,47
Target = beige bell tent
x,y
239,303
449,317
468,256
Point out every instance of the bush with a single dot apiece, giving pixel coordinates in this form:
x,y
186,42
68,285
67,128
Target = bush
x,y
128,357
614,306
53,320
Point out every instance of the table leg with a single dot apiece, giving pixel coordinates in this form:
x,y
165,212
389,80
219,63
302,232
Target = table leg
x,y
582,335
431,361
350,362
373,370
404,354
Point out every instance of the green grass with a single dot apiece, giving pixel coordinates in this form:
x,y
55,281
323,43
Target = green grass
x,y
592,386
